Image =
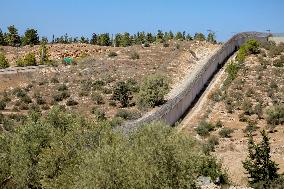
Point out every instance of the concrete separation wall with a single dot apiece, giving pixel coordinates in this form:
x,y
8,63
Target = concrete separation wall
x,y
184,95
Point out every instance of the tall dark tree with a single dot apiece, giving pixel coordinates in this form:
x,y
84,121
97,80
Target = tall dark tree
x,y
126,40
211,38
94,39
160,36
199,37
30,37
104,40
2,41
258,164
12,38
150,38
179,36
171,35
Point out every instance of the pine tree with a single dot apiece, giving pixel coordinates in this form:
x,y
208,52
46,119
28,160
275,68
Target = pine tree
x,y
171,35
12,38
2,41
94,39
211,38
160,36
258,164
30,37
178,36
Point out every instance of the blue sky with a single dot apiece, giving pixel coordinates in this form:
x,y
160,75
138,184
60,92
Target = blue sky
x,y
84,17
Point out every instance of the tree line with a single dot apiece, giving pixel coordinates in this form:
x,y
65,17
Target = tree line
x,y
31,37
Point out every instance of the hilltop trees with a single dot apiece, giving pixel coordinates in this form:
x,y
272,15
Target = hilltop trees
x,y
211,38
30,37
12,37
2,38
199,37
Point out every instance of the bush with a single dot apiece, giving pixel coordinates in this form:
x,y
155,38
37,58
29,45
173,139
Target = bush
x,y
219,124
3,61
225,132
250,47
2,104
99,114
275,115
28,60
279,62
63,149
134,56
210,145
122,92
152,91
126,114
61,96
71,102
112,54
97,98
40,100
247,107
62,87
98,84
204,128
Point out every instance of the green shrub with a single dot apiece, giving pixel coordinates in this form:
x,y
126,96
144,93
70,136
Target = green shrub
x,y
226,132
251,127
279,62
241,55
97,98
98,84
28,60
3,61
152,91
122,92
116,121
210,145
26,99
71,102
112,54
62,87
126,114
134,56
204,128
252,46
219,124
247,107
61,96
99,114
64,149
2,104
275,115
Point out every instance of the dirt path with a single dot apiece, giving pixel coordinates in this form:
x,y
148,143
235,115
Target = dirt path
x,y
191,118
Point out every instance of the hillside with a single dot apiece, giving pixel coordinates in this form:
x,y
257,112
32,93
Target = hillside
x,y
251,102
88,86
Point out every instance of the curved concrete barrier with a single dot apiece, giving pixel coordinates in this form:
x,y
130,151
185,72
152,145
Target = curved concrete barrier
x,y
185,95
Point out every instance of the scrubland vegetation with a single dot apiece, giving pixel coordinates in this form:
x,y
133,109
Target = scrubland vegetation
x,y
63,150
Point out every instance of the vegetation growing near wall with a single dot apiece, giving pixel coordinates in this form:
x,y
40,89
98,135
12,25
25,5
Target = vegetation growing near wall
x,y
64,150
28,60
250,47
3,61
152,91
